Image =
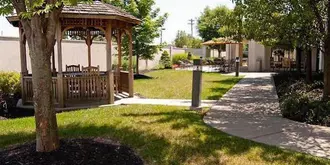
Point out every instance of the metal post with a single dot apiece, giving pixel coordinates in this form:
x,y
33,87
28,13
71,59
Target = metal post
x,y
161,35
197,85
237,66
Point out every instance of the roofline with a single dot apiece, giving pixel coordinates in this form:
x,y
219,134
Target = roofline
x,y
220,43
102,16
15,18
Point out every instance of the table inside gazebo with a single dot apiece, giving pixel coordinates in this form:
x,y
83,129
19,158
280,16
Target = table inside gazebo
x,y
78,86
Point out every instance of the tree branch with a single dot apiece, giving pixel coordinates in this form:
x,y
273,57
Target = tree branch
x,y
20,7
50,25
313,4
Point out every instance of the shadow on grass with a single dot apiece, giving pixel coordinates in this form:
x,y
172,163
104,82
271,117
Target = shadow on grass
x,y
141,77
213,141
217,93
229,81
200,140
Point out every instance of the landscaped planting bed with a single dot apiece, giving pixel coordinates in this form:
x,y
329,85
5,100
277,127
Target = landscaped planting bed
x,y
300,101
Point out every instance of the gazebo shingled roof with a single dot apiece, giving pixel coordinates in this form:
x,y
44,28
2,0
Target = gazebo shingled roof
x,y
96,9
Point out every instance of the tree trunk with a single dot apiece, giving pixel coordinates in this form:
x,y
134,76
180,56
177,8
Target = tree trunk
x,y
40,30
137,65
298,58
41,46
326,58
326,70
309,66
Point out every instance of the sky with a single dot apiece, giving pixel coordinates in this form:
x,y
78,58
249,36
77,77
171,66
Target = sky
x,y
180,11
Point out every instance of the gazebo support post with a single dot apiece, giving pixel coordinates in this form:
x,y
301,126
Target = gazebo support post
x,y
24,71
130,71
119,43
110,86
60,72
89,43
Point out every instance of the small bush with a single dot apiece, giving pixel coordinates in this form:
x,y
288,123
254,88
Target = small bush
x,y
165,60
179,57
125,63
300,101
10,83
189,57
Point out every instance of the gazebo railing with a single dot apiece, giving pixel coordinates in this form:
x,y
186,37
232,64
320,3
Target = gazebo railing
x,y
28,89
79,88
85,88
124,79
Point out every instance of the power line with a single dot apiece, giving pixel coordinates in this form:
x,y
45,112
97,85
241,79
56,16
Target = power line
x,y
191,23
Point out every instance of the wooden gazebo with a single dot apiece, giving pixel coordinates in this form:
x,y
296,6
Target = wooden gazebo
x,y
88,84
225,41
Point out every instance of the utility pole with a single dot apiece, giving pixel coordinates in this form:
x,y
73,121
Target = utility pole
x,y
161,35
191,23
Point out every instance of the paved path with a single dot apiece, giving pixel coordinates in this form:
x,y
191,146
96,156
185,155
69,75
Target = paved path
x,y
169,102
251,110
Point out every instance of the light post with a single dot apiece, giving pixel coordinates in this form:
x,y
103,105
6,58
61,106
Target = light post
x,y
237,66
197,85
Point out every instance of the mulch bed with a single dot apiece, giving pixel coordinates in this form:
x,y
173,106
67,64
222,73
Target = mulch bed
x,y
72,152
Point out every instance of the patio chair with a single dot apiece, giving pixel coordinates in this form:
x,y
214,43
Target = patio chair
x,y
91,71
72,68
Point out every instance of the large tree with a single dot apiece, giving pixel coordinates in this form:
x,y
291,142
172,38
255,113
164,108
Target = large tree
x,y
285,23
211,21
145,33
38,19
222,22
183,39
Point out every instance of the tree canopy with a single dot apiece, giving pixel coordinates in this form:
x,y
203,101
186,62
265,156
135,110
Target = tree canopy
x,y
183,39
221,22
145,33
300,24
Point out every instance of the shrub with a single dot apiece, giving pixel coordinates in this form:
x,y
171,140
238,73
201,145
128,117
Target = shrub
x,y
10,83
189,57
125,63
179,57
165,60
300,101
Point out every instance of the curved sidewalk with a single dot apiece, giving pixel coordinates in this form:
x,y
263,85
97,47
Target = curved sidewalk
x,y
251,110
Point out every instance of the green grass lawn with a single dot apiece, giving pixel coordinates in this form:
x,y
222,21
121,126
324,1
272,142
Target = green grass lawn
x,y
160,135
170,84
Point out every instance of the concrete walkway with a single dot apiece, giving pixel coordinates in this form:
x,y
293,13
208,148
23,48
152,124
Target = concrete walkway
x,y
251,110
169,102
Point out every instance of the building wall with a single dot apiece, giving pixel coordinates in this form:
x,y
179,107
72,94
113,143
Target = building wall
x,y
198,52
259,57
10,54
73,53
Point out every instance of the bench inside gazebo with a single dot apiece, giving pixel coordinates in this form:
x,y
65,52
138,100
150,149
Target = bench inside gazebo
x,y
78,85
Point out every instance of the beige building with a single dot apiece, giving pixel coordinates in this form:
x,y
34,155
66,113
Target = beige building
x,y
260,57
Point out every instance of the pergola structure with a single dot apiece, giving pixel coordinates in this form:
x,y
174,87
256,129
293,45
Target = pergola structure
x,y
88,84
225,41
